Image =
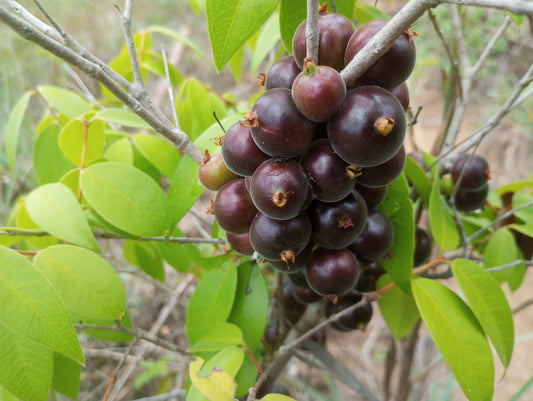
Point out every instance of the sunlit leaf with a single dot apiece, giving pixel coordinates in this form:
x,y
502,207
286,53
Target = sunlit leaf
x,y
14,123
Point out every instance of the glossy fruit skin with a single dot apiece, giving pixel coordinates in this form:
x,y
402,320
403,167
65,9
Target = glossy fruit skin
x,y
368,278
239,151
282,73
385,173
331,178
279,188
305,295
299,263
376,238
234,209
332,272
394,67
468,201
353,133
335,31
337,224
273,239
298,277
281,131
372,196
475,175
402,94
423,245
318,92
240,242
214,173
357,319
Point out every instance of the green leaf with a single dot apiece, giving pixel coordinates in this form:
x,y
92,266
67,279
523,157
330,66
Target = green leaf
x,y
26,366
87,283
64,101
398,207
6,395
14,123
515,186
418,177
398,309
501,250
35,310
216,385
82,142
277,397
126,197
230,23
441,220
344,7
66,376
211,302
120,151
195,47
145,255
24,221
185,187
489,304
525,214
364,13
268,38
250,308
49,163
217,336
55,209
459,337
517,19
123,117
246,375
291,14
161,154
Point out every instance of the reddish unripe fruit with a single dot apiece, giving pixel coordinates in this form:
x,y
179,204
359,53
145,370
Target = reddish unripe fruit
x,y
474,169
282,73
372,196
278,127
332,272
240,242
213,172
357,319
293,266
423,245
468,201
402,94
337,224
280,239
331,178
335,31
385,173
239,151
369,128
376,238
318,91
391,69
279,188
234,209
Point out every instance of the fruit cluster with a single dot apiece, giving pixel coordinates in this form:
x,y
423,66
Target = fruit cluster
x,y
470,175
299,179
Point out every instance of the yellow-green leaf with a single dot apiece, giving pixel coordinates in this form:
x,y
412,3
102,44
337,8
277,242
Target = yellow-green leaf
x,y
217,385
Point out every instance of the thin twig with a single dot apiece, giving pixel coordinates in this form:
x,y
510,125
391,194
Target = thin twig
x,y
130,44
170,90
514,6
522,306
490,45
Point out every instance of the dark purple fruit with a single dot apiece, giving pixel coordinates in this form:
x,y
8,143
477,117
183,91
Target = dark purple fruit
x,y
402,94
271,336
213,172
298,277
423,246
280,239
240,153
368,278
240,242
385,173
331,178
305,295
356,319
391,69
293,266
293,309
279,188
335,31
337,224
282,73
474,169
234,209
468,201
376,238
278,127
332,272
318,91
369,128
372,196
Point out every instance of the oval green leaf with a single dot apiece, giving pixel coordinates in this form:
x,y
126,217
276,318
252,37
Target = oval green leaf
x,y
120,151
418,177
49,163
501,250
55,209
232,22
126,197
145,255
87,283
489,304
291,14
14,123
218,335
82,141
66,376
64,101
459,337
35,309
123,117
158,152
216,384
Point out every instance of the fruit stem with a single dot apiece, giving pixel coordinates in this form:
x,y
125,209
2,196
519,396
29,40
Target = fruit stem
x,y
309,67
384,125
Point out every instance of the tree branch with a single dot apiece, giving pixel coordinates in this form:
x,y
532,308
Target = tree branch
x,y
514,6
130,44
312,30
